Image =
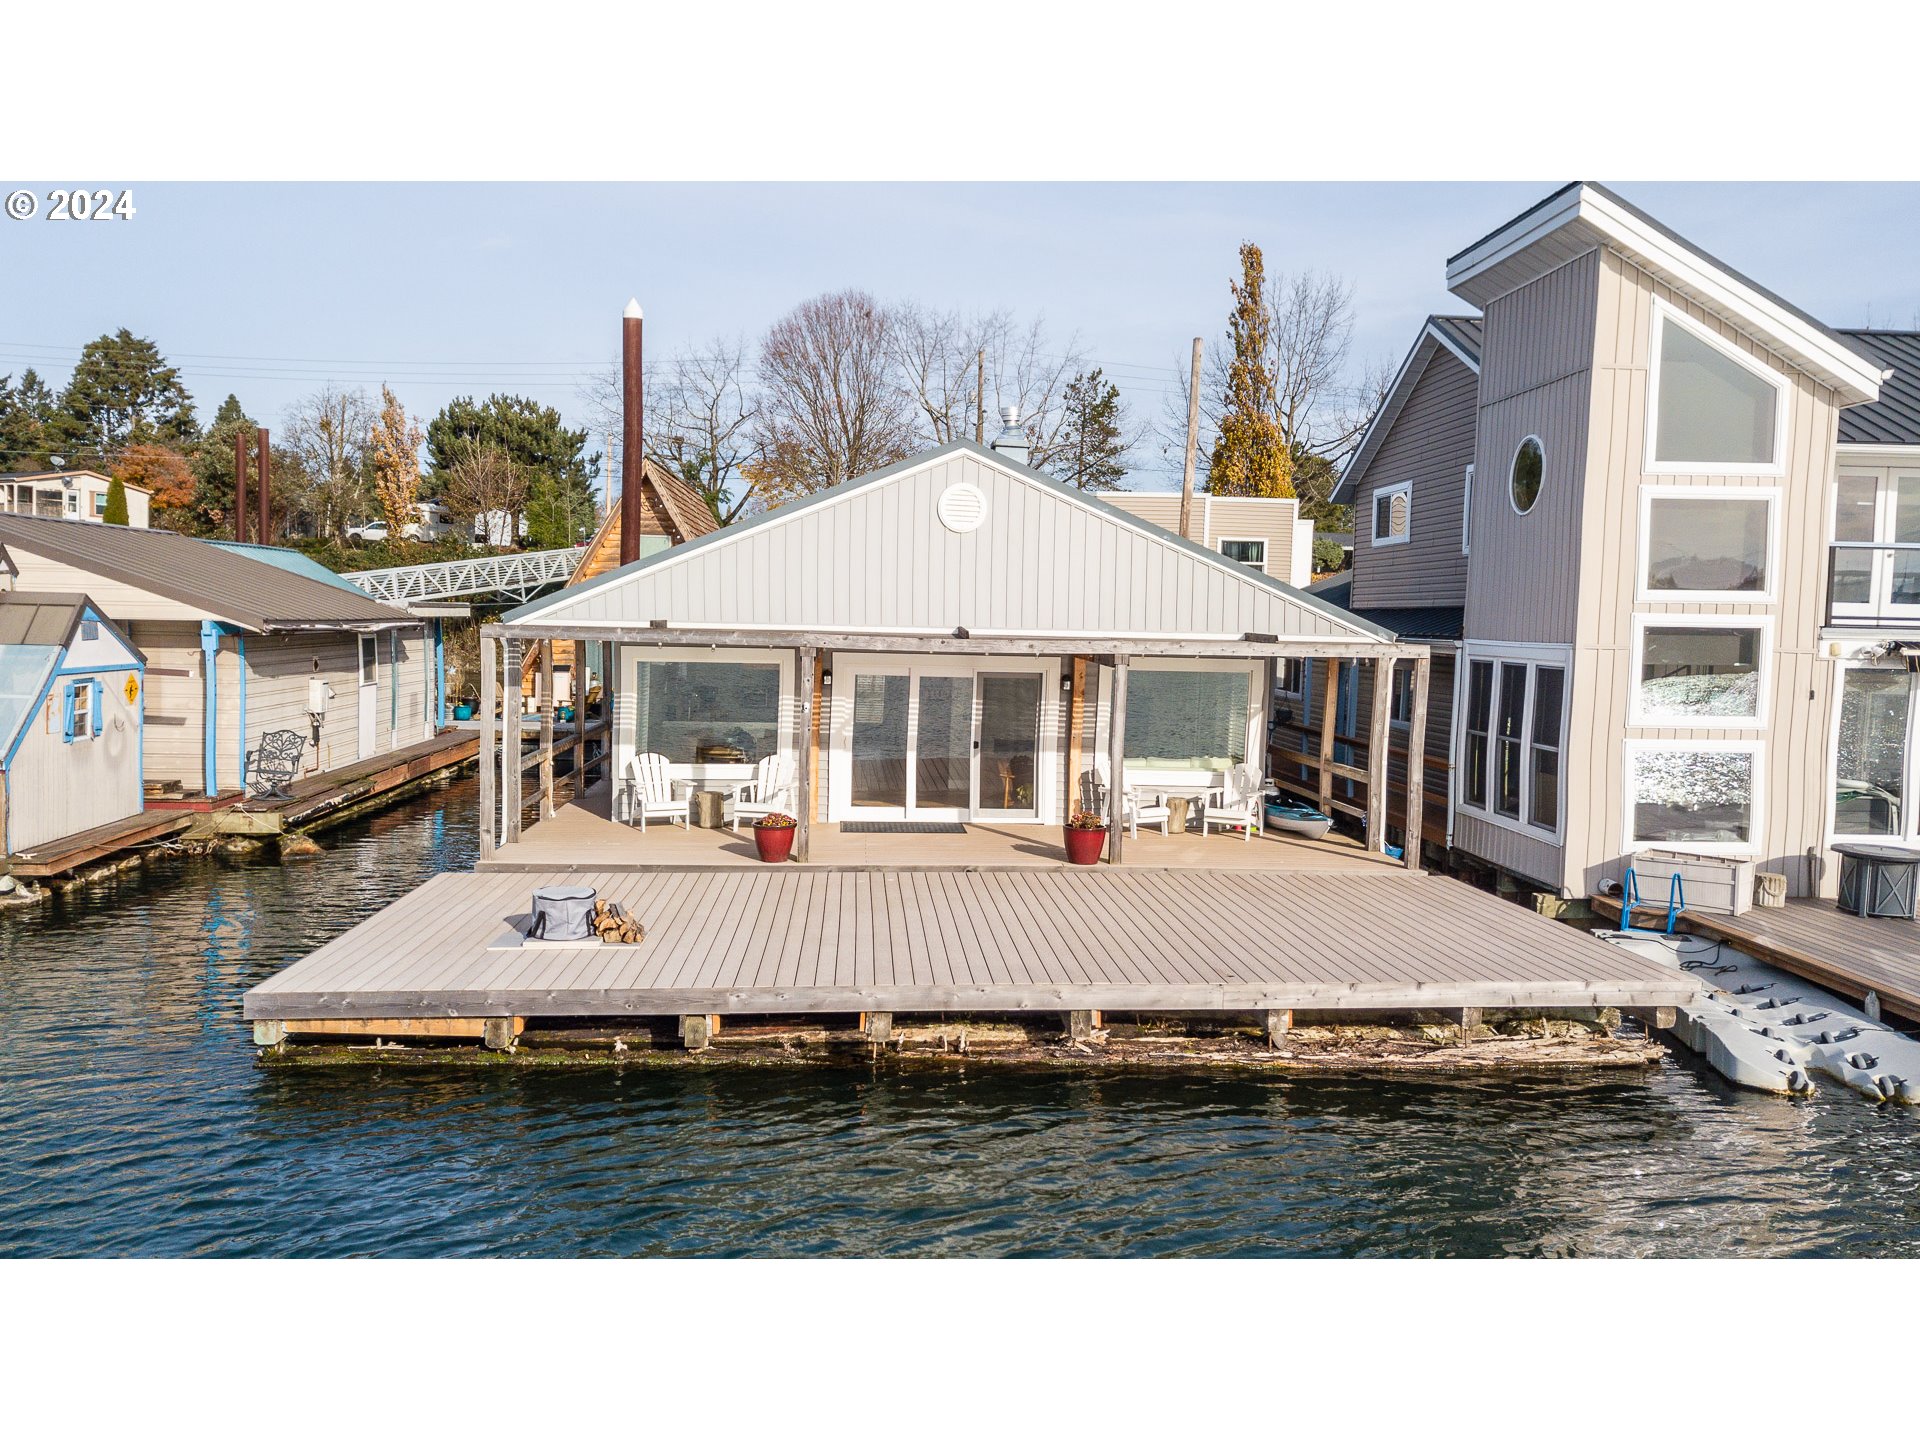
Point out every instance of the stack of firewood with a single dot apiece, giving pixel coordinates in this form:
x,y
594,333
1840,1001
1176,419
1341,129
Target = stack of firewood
x,y
614,926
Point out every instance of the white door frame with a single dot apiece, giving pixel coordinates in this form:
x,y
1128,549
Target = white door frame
x,y
367,714
846,667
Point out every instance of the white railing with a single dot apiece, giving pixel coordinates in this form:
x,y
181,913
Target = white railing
x,y
517,576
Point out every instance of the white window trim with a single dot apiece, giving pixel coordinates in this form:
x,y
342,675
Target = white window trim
x,y
1279,673
1393,687
1221,542
1513,504
1650,493
1533,657
1756,824
1912,777
626,718
1662,310
1466,515
1404,487
1670,620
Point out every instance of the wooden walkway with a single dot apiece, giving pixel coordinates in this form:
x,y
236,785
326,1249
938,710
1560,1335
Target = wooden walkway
x,y
1817,941
787,940
317,797
102,842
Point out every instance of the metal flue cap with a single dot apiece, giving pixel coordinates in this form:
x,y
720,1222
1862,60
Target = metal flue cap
x,y
633,310
1009,414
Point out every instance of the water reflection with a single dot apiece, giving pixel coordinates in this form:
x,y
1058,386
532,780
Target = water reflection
x,y
136,1122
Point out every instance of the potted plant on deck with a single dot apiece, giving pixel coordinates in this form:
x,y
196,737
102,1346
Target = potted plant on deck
x,y
773,837
1086,837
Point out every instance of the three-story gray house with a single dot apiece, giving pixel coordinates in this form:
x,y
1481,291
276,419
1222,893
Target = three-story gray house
x,y
1667,526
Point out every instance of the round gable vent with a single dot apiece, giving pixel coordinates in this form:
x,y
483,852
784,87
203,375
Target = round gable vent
x,y
962,508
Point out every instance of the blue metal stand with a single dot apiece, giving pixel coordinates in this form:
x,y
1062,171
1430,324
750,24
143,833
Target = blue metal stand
x,y
1630,897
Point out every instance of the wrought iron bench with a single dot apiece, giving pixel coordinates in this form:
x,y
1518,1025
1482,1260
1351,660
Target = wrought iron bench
x,y
276,764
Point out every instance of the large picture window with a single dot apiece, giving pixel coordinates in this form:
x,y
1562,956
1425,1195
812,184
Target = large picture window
x,y
1707,544
1709,672
1699,796
1873,760
1715,410
1186,719
1514,737
707,712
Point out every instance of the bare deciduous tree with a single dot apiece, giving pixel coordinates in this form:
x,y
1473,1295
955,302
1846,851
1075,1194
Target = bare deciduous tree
x,y
708,435
830,405
482,480
329,432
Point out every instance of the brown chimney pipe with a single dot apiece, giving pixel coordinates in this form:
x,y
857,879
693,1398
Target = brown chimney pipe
x,y
266,501
240,486
632,434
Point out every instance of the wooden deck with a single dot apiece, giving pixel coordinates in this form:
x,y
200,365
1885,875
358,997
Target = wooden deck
x,y
789,940
102,842
316,798
1817,941
581,837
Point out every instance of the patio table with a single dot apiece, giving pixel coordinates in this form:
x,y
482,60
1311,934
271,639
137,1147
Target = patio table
x,y
708,814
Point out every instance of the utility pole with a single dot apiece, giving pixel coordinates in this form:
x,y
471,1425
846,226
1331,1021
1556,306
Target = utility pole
x,y
980,397
1193,445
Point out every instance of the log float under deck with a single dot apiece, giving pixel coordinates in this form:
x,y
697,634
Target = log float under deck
x,y
791,940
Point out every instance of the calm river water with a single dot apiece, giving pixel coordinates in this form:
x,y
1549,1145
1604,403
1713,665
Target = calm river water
x,y
134,1121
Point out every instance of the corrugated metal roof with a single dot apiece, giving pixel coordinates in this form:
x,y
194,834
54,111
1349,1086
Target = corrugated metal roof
x,y
1893,419
203,576
36,618
1426,622
292,561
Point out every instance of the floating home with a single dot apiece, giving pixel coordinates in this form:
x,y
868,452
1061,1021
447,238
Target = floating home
x,y
237,648
71,495
71,717
930,668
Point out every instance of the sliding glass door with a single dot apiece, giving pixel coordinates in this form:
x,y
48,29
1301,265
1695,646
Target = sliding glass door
x,y
942,741
1877,757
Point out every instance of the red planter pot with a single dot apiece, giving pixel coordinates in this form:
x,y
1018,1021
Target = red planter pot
x,y
1084,846
774,843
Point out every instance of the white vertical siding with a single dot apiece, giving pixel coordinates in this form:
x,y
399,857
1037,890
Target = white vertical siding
x,y
56,789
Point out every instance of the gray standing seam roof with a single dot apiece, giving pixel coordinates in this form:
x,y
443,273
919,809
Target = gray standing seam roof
x,y
200,575
45,617
1893,419
1463,330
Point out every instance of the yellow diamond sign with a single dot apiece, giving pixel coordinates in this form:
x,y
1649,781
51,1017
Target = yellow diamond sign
x,y
133,688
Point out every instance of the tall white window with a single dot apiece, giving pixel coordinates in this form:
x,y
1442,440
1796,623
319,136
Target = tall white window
x,y
1702,796
1707,543
1699,670
1513,739
1393,513
1713,408
1876,754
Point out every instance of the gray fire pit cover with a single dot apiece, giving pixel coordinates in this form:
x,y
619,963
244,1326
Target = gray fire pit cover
x,y
562,912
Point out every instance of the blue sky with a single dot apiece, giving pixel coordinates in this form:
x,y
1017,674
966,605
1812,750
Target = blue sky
x,y
266,290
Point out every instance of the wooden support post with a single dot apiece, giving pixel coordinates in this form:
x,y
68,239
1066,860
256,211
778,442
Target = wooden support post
x,y
489,670
510,771
1655,1017
269,1034
1469,1020
579,695
878,1026
547,708
806,658
1279,1025
1329,719
696,1031
1417,760
500,1032
1117,760
1378,714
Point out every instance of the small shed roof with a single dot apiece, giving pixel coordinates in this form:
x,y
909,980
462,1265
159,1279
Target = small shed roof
x,y
219,583
37,617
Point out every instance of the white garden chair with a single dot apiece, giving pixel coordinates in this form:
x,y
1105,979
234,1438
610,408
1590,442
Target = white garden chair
x,y
649,786
1134,807
770,792
1237,805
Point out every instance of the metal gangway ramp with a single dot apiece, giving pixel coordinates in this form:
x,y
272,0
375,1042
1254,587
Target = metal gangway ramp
x,y
518,576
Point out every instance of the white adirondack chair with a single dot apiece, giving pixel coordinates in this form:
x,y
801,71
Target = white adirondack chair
x,y
1134,806
770,792
1236,805
649,786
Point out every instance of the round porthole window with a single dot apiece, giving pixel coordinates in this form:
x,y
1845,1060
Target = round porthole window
x,y
1529,461
962,508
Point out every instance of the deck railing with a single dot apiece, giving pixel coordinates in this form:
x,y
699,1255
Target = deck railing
x,y
1874,584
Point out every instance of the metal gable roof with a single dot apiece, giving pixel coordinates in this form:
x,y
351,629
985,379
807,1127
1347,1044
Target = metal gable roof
x,y
35,617
553,608
1893,419
203,576
1423,622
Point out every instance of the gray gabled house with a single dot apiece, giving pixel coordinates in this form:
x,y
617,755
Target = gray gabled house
x,y
1678,519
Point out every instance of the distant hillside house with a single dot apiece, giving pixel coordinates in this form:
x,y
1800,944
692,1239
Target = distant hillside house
x,y
1267,534
237,647
71,701
70,495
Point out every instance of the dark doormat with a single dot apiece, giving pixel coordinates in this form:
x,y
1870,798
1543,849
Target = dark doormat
x,y
902,827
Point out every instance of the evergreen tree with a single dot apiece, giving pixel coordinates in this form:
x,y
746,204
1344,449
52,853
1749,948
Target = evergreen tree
x,y
25,409
561,506
1251,455
1090,450
122,390
116,511
211,512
